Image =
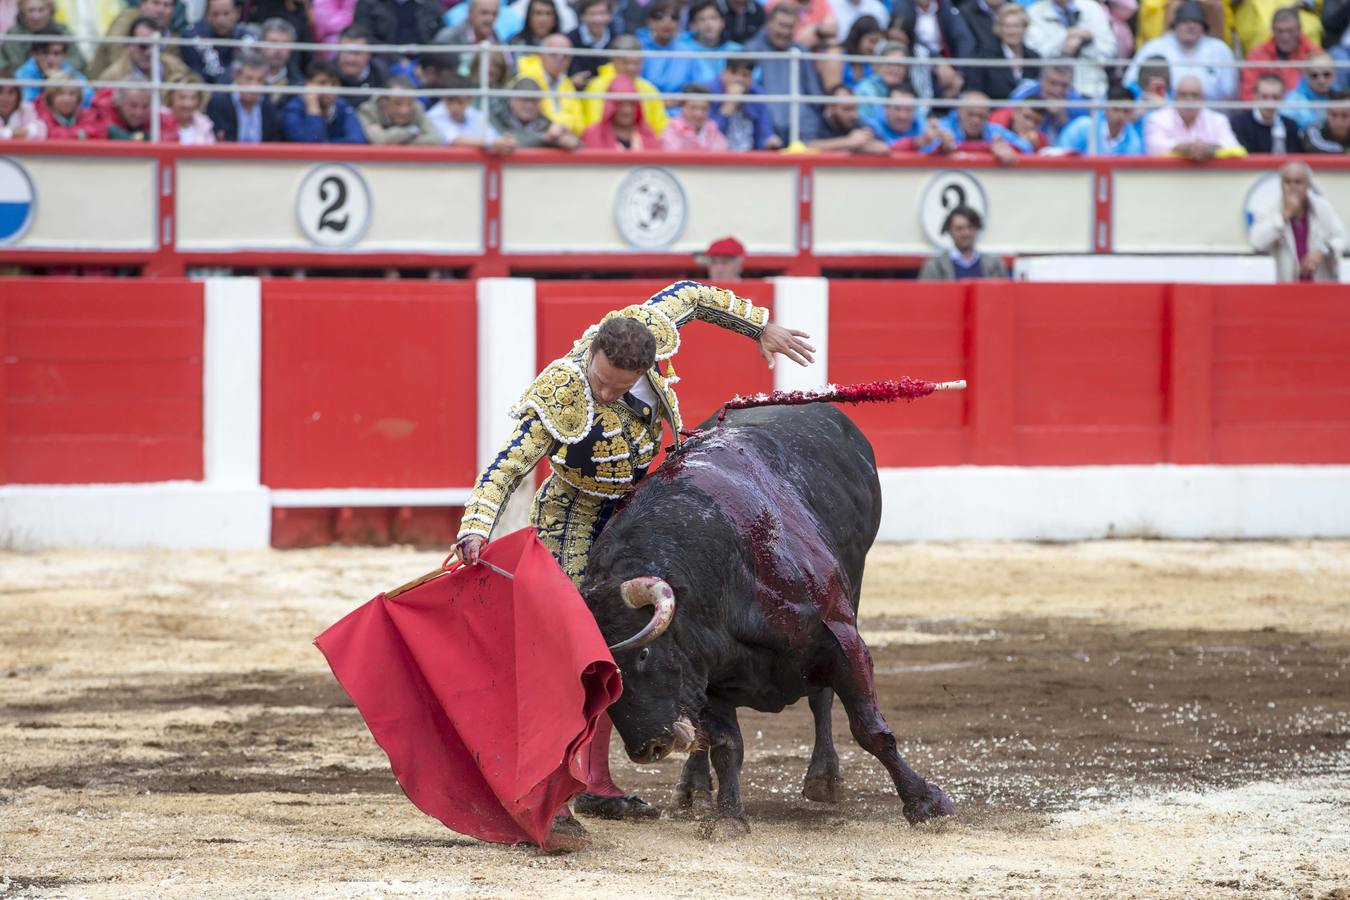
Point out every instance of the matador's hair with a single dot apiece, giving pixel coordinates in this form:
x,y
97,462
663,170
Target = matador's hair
x,y
627,344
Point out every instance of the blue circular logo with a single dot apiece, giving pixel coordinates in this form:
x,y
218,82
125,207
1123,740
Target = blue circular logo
x,y
17,201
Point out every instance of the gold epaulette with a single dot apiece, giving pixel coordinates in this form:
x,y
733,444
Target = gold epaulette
x,y
561,397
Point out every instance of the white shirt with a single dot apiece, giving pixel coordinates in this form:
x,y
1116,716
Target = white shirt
x,y
927,31
474,125
846,12
1210,60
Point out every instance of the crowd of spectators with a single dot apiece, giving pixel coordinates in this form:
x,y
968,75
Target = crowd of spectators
x,y
915,94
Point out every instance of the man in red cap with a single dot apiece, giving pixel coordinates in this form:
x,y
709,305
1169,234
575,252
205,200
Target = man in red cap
x,y
723,259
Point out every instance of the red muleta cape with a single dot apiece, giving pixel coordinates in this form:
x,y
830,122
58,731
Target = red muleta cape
x,y
482,690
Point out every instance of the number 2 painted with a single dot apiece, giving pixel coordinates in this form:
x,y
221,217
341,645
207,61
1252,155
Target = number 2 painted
x,y
328,218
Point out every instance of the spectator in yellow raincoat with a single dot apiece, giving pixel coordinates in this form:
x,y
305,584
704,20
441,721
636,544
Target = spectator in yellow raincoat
x,y
653,110
549,68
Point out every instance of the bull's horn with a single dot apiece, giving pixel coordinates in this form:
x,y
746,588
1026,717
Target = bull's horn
x,y
647,591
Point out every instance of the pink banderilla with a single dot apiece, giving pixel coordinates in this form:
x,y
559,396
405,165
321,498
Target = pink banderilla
x,y
902,388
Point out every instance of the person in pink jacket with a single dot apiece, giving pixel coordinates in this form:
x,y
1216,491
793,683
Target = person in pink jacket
x,y
18,120
330,17
186,123
692,129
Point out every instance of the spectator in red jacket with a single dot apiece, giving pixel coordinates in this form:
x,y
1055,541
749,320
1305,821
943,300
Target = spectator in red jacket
x,y
128,118
1287,44
65,119
621,126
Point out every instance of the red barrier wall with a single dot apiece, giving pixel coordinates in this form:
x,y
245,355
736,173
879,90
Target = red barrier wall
x,y
369,384
1101,374
101,381
713,364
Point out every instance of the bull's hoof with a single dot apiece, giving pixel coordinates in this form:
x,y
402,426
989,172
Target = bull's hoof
x,y
823,788
930,804
692,802
629,807
725,828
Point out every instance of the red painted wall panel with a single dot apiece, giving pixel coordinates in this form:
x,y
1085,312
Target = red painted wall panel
x,y
1089,373
369,384
102,381
884,330
1281,382
713,364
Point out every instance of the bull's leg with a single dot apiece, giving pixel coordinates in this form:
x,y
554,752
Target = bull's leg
x,y
853,684
727,752
694,790
822,782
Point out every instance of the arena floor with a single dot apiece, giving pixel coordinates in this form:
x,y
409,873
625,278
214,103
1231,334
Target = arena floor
x,y
1112,719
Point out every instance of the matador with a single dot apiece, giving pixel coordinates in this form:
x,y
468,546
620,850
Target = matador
x,y
597,415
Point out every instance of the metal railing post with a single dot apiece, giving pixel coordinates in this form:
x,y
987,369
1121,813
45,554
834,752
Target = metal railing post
x,y
154,91
484,83
794,90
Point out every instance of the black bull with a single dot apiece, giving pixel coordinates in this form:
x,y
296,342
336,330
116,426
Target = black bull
x,y
748,544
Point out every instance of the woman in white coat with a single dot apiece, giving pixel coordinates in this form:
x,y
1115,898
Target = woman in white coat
x,y
1301,230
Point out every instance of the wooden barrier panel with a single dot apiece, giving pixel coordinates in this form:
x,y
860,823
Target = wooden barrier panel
x,y
1281,374
368,384
885,329
1066,375
101,381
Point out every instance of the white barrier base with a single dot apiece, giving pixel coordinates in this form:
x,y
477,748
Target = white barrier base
x,y
1124,267
175,514
1087,502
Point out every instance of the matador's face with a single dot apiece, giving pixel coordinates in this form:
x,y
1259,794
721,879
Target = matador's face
x,y
608,382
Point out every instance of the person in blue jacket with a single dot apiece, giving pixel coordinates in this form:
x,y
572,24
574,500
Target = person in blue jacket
x,y
320,117
1118,134
747,126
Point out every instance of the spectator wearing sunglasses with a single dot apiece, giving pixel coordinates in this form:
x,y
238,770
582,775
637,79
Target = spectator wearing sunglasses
x,y
1316,84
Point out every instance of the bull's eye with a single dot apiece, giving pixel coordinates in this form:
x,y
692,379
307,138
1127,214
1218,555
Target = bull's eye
x,y
642,657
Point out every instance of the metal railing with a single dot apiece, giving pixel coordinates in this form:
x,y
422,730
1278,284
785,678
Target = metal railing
x,y
485,92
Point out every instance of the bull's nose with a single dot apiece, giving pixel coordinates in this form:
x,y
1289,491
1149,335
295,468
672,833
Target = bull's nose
x,y
656,748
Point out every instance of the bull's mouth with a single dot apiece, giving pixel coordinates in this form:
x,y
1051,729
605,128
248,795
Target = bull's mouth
x,y
679,740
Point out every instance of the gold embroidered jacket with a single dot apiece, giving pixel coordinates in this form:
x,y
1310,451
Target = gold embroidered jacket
x,y
602,451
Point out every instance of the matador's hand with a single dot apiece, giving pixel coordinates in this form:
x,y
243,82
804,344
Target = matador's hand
x,y
788,341
469,549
